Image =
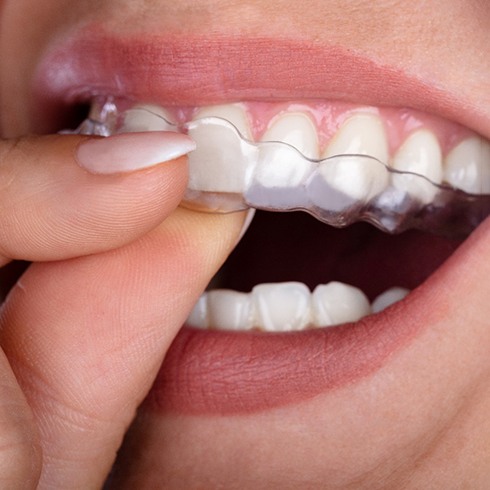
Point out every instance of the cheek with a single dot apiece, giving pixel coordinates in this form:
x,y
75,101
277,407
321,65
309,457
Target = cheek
x,y
367,441
26,28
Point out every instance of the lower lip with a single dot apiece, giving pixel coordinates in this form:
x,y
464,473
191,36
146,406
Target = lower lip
x,y
227,373
208,372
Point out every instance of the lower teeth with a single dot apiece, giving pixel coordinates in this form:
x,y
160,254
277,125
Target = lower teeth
x,y
287,306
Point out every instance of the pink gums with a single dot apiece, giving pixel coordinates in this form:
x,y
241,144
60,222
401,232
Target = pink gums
x,y
329,116
187,72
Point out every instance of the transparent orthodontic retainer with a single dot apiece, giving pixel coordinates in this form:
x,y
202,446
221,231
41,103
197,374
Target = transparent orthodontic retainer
x,y
275,176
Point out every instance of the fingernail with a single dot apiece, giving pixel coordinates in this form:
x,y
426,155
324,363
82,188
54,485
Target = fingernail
x,y
246,223
132,151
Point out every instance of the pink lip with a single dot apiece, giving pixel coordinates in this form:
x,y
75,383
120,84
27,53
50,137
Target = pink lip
x,y
226,373
229,373
214,70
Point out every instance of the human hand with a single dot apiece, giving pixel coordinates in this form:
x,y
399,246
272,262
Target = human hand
x,y
79,347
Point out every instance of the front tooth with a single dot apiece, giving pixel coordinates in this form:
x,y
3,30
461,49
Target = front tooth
x,y
341,182
146,118
336,303
220,163
296,129
199,315
281,170
467,166
282,307
233,113
285,167
419,154
346,180
361,134
389,297
230,310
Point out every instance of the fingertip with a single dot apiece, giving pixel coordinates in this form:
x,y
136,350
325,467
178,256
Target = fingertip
x,y
130,152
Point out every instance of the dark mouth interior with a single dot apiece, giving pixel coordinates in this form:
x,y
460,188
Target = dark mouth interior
x,y
296,247
53,116
10,274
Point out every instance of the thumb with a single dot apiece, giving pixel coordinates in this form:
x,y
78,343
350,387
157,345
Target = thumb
x,y
67,196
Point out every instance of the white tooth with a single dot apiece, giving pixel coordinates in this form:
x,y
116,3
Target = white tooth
x,y
285,167
230,310
420,154
341,182
362,134
282,307
220,163
146,118
296,129
199,315
467,166
389,297
233,113
335,303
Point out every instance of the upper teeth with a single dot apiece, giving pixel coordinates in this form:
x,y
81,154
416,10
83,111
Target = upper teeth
x,y
287,306
467,166
420,154
362,133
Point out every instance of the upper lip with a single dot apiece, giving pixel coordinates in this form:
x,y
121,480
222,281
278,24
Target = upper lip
x,y
200,70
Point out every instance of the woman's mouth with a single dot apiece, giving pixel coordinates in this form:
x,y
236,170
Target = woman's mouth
x,y
325,290
342,164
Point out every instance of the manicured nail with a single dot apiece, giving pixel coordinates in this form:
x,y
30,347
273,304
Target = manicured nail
x,y
132,151
246,224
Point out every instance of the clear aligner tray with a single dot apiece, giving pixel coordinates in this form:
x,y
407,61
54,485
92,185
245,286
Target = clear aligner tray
x,y
238,174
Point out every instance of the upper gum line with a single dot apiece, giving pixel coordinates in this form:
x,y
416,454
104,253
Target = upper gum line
x,y
403,140
329,118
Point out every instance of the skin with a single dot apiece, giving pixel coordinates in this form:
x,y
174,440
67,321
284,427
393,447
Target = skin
x,y
420,422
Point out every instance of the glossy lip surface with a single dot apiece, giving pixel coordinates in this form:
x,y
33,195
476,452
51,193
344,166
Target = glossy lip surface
x,y
217,70
220,373
210,372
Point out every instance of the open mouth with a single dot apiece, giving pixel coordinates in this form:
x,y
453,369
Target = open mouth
x,y
333,161
301,307
295,285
